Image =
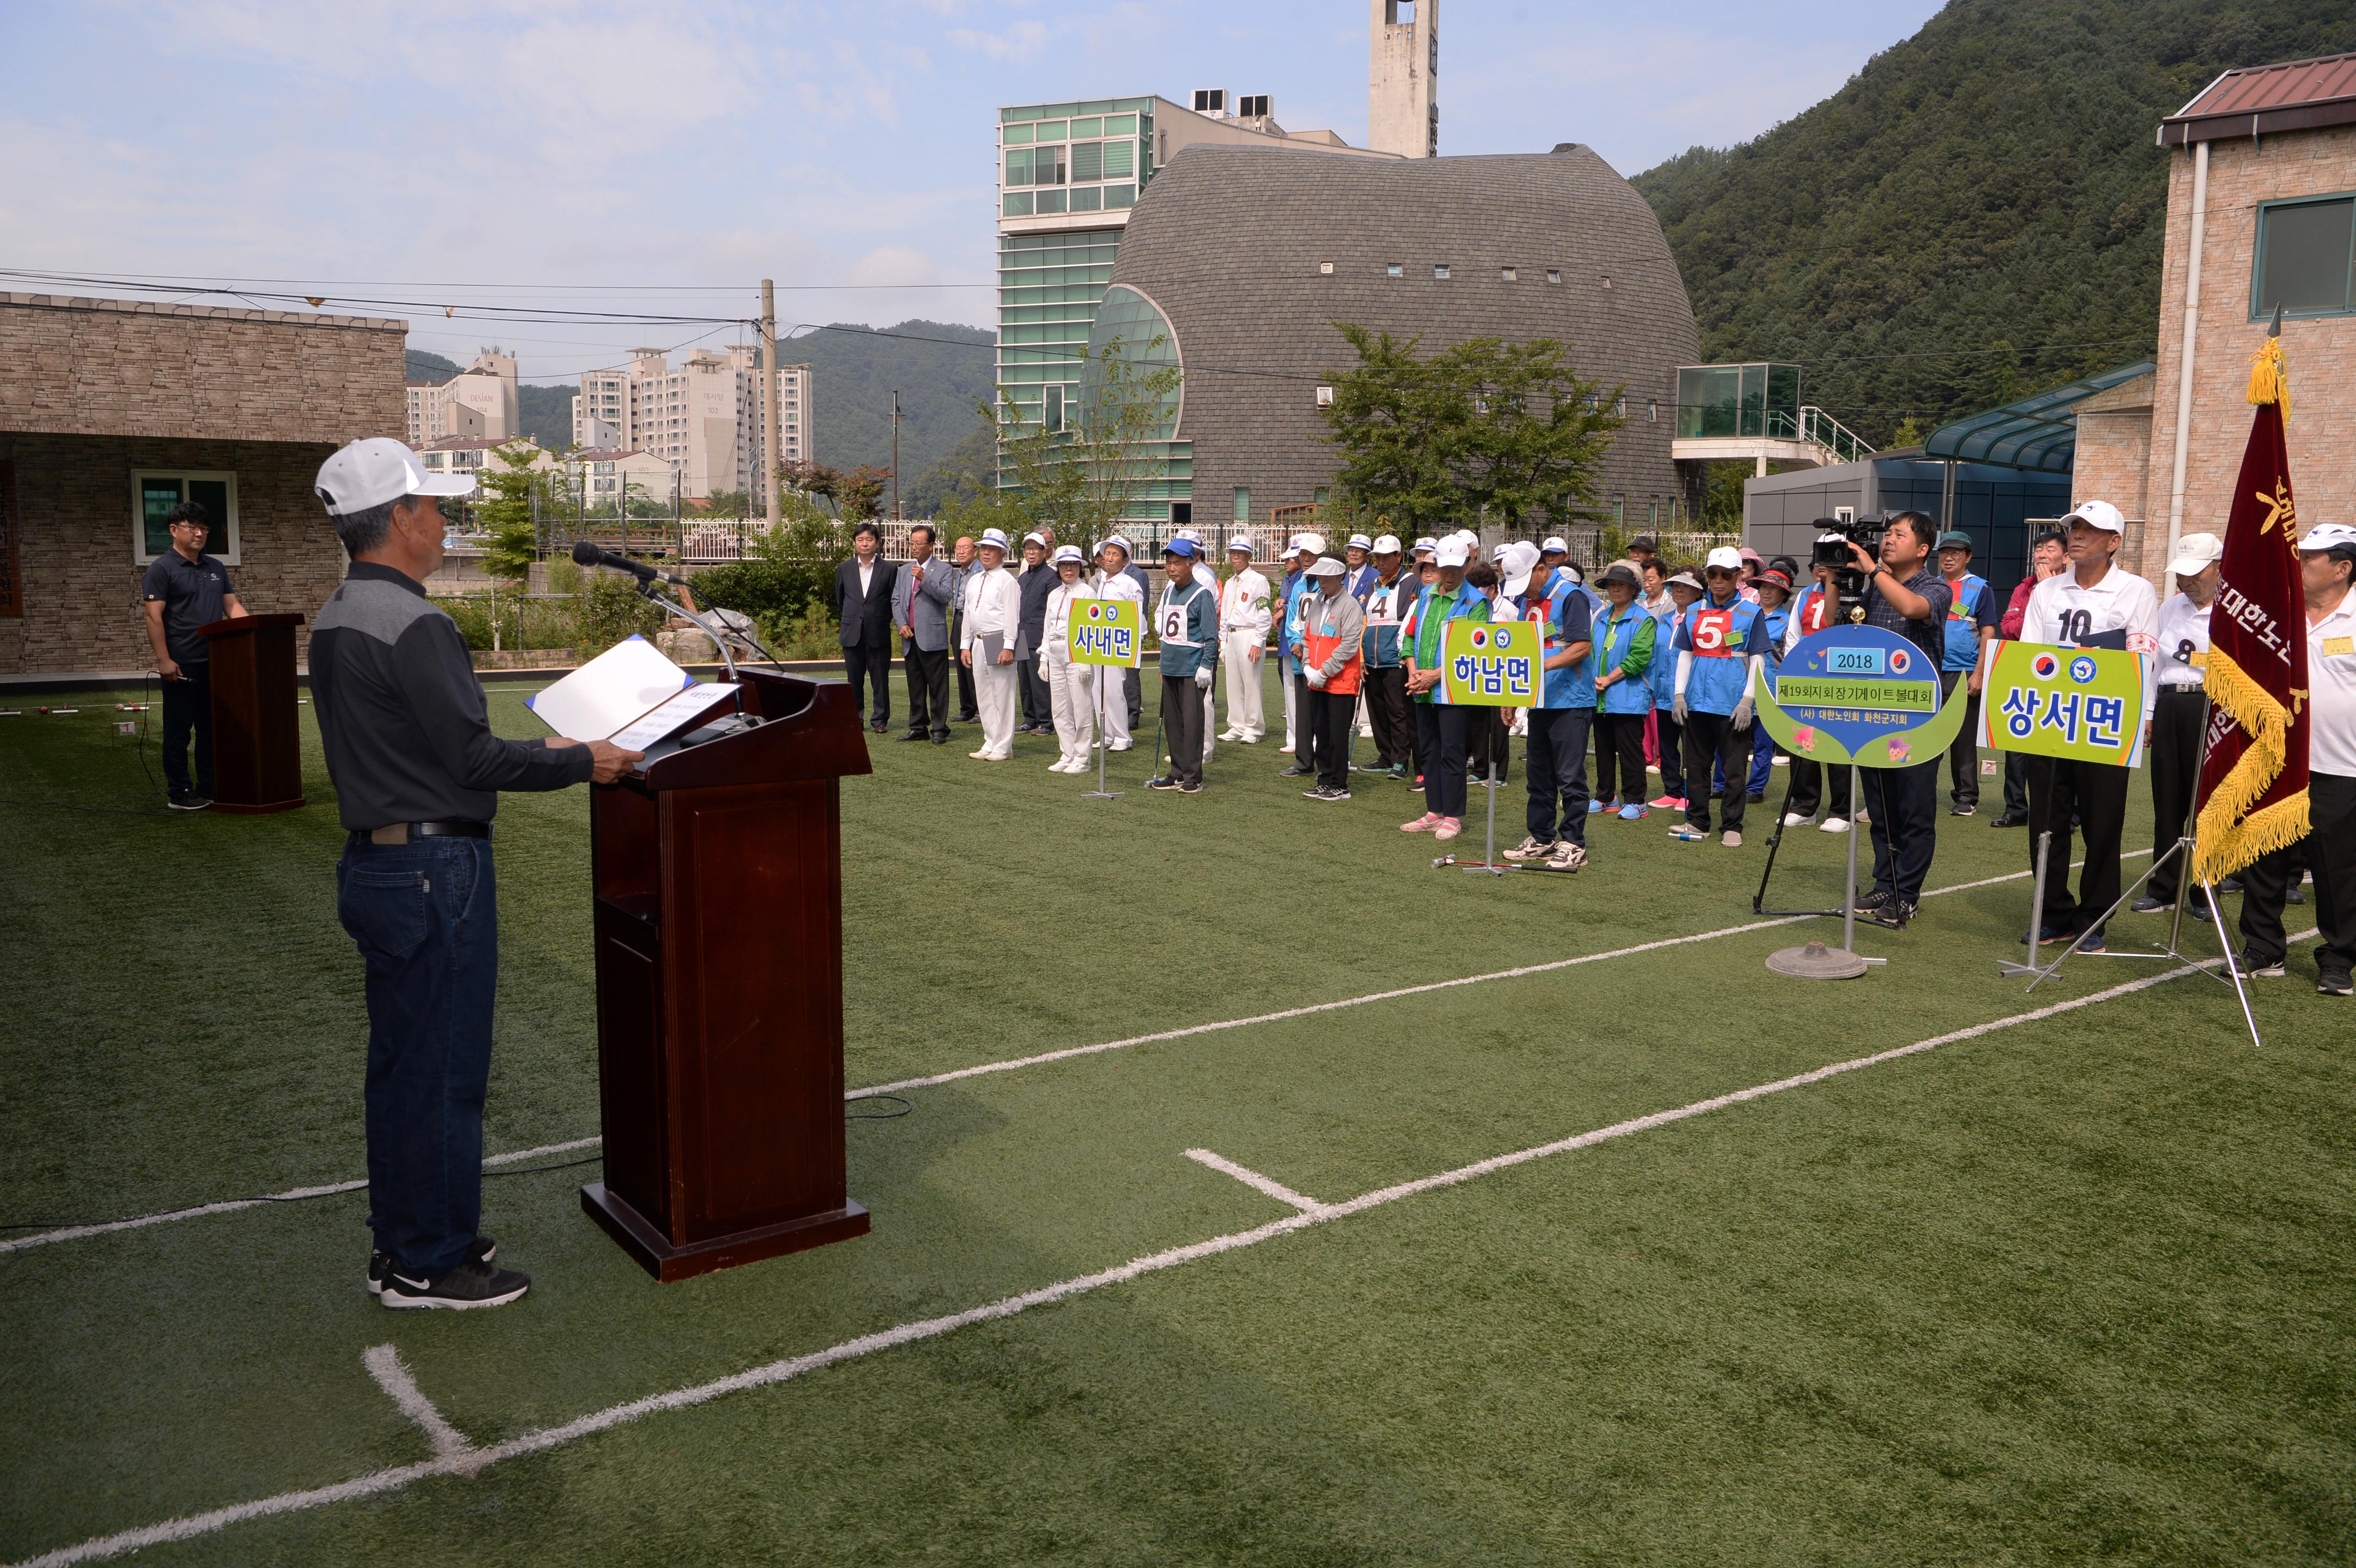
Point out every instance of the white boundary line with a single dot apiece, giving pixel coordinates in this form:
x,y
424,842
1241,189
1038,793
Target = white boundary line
x,y
76,1232
392,1375
230,1206
1253,1179
382,1481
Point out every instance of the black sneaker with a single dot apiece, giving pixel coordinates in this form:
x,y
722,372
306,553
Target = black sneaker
x,y
1332,794
2255,970
1903,911
380,1264
1963,808
1190,789
2334,983
470,1284
1876,900
189,801
1297,771
1164,783
2297,895
2009,819
2229,885
2148,904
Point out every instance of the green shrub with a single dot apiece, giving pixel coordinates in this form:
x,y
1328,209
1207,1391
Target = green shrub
x,y
608,609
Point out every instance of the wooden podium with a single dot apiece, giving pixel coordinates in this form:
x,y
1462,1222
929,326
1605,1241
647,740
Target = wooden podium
x,y
257,743
718,888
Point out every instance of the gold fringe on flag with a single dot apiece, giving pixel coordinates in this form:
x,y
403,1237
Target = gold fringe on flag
x,y
2227,840
2269,376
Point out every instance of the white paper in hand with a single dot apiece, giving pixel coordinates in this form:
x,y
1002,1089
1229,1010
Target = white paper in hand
x,y
609,691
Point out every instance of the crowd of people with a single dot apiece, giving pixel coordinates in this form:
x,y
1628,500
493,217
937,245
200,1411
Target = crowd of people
x,y
1649,667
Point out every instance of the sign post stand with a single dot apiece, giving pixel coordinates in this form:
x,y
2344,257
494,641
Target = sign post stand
x,y
1491,664
1108,633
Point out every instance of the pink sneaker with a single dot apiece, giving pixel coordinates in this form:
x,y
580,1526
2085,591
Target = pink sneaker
x,y
1668,803
1424,824
1449,828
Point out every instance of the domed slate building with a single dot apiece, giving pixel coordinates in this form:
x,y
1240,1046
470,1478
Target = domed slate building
x,y
1243,257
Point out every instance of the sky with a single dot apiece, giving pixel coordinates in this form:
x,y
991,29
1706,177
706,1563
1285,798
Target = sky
x,y
575,156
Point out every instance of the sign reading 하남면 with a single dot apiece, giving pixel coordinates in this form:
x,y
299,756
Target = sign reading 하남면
x,y
1105,632
2084,703
1491,664
1862,695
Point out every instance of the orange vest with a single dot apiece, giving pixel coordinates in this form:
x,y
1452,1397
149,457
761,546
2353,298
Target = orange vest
x,y
1321,648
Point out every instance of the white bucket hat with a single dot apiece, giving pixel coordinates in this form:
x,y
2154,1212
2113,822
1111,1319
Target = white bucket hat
x,y
991,538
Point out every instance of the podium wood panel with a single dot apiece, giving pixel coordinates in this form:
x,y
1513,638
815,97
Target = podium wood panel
x,y
257,737
718,924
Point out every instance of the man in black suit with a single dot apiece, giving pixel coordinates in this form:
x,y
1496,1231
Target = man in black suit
x,y
863,602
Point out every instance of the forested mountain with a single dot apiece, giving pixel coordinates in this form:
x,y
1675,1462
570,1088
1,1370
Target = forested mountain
x,y
1977,215
940,369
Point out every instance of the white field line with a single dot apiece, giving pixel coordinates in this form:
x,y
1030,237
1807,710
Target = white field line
x,y
1253,1179
76,1232
380,1481
392,1375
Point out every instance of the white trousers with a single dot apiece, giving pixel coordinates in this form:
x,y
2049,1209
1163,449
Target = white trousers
x,y
1243,682
1072,689
1291,723
994,689
1112,681
1210,718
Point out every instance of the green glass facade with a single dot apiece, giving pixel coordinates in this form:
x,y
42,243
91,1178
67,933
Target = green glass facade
x,y
1057,161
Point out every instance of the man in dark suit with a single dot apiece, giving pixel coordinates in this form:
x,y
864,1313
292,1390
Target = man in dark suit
x,y
1037,580
863,602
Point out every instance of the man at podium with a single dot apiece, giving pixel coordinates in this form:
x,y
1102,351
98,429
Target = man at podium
x,y
417,771
186,589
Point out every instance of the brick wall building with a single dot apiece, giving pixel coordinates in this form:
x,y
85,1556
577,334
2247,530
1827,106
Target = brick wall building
x,y
112,411
2279,147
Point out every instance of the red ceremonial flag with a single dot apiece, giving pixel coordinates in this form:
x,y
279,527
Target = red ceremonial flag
x,y
2253,797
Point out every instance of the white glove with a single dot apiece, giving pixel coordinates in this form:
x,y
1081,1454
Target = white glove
x,y
1742,715
1677,710
1317,679
1203,678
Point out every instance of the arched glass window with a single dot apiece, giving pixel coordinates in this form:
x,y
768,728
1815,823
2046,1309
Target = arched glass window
x,y
1147,344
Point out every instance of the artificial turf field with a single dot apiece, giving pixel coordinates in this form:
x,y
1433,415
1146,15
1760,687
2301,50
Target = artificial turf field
x,y
2074,1289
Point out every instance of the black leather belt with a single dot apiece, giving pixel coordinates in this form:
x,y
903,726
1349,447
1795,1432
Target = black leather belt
x,y
2169,689
454,828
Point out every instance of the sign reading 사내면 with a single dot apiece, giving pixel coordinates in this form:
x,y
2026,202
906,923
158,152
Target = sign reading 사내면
x,y
2081,703
1492,664
1106,632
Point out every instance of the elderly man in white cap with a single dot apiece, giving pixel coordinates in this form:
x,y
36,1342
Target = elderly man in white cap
x,y
2326,566
1244,618
2094,604
994,616
2174,753
1298,590
1117,694
418,773
1385,689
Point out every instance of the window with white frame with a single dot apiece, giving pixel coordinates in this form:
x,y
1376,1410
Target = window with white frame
x,y
156,491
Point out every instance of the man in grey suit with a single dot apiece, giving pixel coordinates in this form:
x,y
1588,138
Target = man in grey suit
x,y
921,596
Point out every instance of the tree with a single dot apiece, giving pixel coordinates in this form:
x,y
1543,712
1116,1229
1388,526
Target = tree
x,y
1083,478
853,495
786,573
1486,428
506,514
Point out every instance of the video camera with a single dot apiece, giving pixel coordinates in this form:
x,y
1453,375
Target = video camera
x,y
1834,535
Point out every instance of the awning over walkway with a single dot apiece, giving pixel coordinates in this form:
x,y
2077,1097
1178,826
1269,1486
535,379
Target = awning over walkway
x,y
2039,433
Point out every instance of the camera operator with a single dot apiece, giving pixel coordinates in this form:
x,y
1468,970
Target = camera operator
x,y
1903,593
2091,605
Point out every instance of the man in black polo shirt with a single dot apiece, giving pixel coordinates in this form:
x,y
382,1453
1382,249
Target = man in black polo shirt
x,y
184,589
1905,594
417,773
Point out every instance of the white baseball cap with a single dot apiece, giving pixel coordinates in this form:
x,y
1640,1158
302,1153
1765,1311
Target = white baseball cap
x,y
1498,551
2096,515
379,469
1517,561
1555,542
1450,551
1117,541
1387,544
2195,552
2325,536
1313,543
1039,539
1725,556
1360,541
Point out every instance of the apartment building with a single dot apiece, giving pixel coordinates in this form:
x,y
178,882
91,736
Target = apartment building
x,y
702,418
477,403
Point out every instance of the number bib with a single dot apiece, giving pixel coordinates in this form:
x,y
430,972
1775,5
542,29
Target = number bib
x,y
1713,633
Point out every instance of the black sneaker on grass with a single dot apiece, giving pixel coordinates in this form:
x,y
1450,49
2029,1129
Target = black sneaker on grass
x,y
380,1264
469,1285
2255,969
2334,983
1875,902
190,800
1903,910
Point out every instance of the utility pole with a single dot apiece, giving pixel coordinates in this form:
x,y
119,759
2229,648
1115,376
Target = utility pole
x,y
771,449
895,454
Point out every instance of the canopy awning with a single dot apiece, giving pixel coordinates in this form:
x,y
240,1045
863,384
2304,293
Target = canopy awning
x,y
2039,433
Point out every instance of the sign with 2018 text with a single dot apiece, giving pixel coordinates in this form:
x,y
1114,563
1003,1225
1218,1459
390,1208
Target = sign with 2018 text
x,y
1858,694
1106,632
1486,665
2083,703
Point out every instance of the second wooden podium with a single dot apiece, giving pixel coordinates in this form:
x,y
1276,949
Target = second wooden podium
x,y
718,888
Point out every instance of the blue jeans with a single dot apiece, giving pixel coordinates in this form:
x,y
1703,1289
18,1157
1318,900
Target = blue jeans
x,y
188,709
426,916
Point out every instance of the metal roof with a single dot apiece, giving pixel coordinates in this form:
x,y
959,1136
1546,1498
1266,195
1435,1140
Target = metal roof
x,y
2254,100
2039,433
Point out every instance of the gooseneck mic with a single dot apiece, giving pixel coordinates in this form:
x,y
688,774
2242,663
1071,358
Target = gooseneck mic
x,y
587,554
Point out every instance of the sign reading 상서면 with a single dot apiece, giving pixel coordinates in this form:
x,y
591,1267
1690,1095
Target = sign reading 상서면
x,y
1485,664
2083,703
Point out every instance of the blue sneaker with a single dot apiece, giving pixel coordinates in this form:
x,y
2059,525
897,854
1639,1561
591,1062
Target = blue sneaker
x,y
2095,943
1595,805
1633,813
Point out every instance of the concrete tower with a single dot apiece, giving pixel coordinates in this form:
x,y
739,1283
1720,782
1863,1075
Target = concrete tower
x,y
1403,78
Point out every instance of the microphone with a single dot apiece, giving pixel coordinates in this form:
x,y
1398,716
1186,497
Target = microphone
x,y
587,554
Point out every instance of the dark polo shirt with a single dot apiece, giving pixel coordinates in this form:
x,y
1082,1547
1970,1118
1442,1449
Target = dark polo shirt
x,y
193,594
